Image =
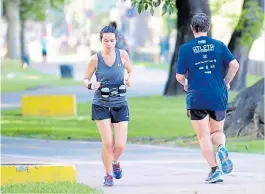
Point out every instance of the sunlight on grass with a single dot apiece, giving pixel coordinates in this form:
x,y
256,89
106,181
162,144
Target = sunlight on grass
x,y
155,117
15,78
55,187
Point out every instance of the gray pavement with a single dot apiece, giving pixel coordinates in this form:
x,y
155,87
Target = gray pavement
x,y
147,169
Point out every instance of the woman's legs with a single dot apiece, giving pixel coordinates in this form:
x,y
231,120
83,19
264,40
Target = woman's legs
x,y
120,136
120,133
104,127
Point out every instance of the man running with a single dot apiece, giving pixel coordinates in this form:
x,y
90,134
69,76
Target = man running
x,y
205,60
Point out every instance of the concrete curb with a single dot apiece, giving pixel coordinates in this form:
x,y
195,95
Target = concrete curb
x,y
28,173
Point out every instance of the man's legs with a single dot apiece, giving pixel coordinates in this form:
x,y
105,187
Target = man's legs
x,y
217,134
200,123
202,130
218,138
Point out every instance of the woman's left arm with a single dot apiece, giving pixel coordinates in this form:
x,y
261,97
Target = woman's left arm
x,y
128,67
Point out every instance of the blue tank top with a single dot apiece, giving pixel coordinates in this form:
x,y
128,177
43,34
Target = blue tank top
x,y
110,75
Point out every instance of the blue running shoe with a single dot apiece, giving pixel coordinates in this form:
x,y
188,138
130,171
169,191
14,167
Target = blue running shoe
x,y
117,171
215,177
108,181
210,177
226,163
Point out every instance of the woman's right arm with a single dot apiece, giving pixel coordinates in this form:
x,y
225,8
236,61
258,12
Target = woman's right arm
x,y
91,68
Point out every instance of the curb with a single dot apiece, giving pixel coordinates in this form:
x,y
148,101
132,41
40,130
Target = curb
x,y
28,173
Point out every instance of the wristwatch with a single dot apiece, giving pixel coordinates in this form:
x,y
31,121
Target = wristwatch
x,y
89,86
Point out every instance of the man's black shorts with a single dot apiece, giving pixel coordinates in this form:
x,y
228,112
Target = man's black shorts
x,y
116,114
195,114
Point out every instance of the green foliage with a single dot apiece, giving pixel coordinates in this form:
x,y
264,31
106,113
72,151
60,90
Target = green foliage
x,y
251,22
216,6
37,10
216,9
168,6
32,10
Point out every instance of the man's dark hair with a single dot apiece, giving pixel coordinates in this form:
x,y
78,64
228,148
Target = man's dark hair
x,y
200,22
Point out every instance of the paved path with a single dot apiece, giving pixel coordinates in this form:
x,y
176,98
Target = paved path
x,y
147,169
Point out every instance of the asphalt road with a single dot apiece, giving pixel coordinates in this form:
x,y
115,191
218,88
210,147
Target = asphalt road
x,y
147,169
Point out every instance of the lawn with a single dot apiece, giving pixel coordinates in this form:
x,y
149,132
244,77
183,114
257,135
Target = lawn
x,y
15,78
55,187
155,117
235,144
150,116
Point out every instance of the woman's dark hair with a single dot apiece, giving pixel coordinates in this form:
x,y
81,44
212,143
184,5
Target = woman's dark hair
x,y
114,24
200,22
108,29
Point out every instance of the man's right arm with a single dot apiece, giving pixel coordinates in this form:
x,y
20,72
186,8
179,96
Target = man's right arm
x,y
232,70
233,65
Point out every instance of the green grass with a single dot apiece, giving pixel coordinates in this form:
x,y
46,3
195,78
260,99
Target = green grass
x,y
252,79
155,117
246,144
150,116
235,144
56,187
15,78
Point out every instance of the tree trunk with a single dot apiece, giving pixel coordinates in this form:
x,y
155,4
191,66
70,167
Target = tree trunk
x,y
239,50
22,38
1,8
240,114
12,13
186,10
259,118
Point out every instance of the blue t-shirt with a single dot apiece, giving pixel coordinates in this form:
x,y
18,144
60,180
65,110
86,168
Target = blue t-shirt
x,y
205,61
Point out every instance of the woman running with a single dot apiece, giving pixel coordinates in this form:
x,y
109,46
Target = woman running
x,y
109,106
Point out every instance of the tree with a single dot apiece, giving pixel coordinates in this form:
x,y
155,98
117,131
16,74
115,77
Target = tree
x,y
1,8
17,13
247,31
246,113
30,10
185,11
11,10
34,10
